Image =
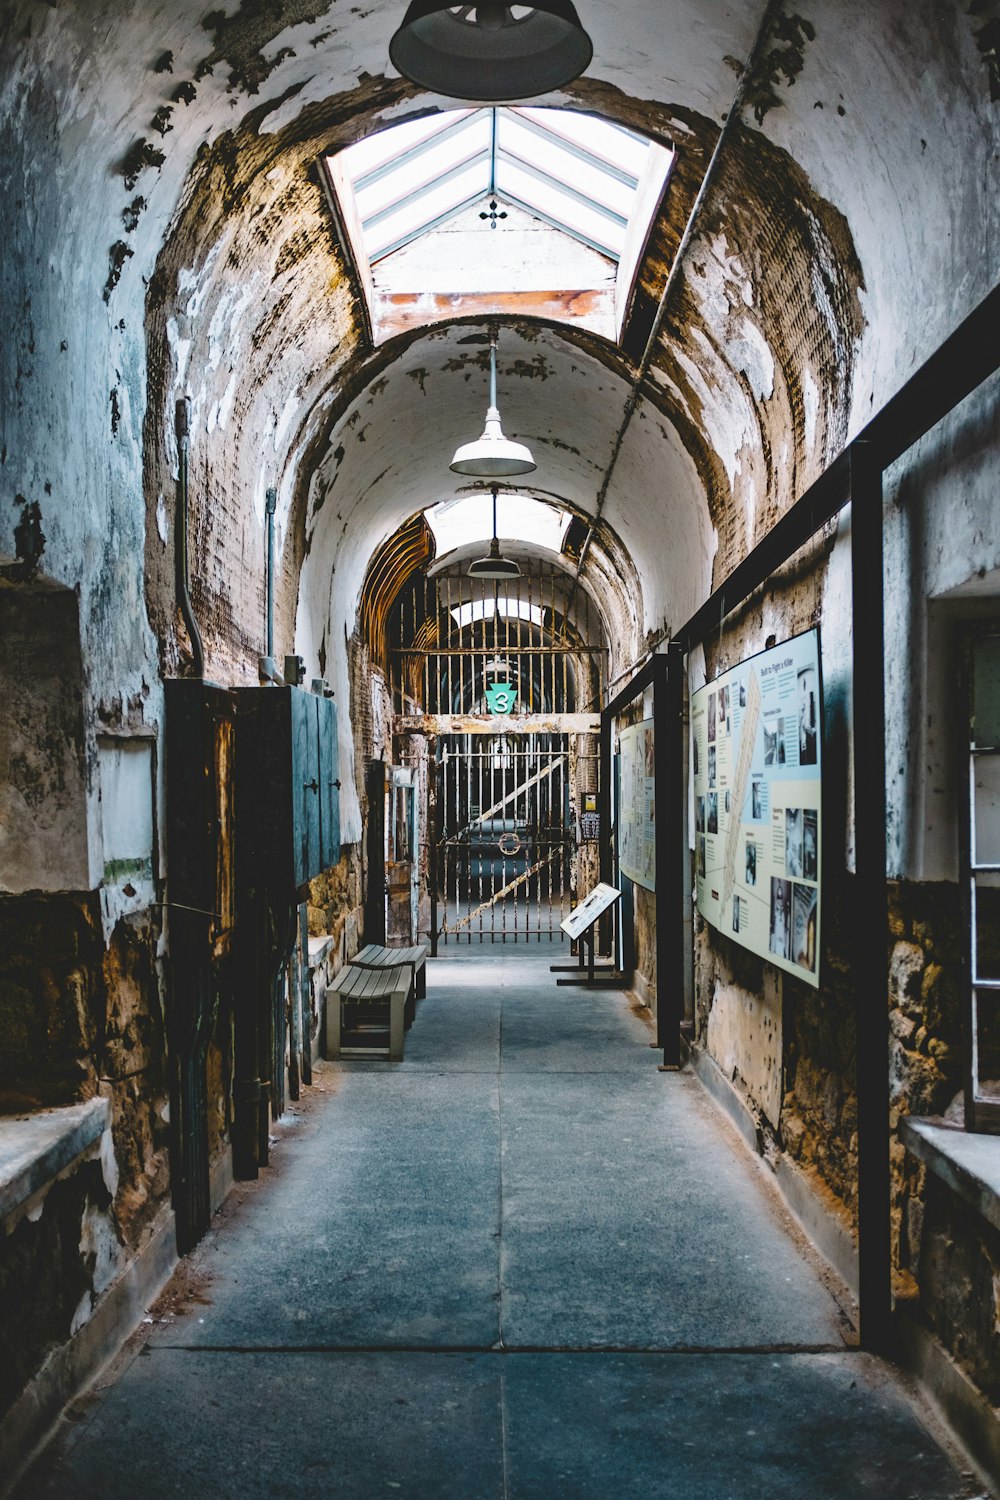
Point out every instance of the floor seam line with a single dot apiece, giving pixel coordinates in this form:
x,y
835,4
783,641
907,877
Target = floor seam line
x,y
503,1382
503,1351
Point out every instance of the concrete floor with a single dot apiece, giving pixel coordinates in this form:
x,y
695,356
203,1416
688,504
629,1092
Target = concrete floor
x,y
522,1264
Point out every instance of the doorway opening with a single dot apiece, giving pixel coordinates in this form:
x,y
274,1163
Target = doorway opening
x,y
495,687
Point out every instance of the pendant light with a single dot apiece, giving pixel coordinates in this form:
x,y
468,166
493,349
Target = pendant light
x,y
493,456
491,51
494,565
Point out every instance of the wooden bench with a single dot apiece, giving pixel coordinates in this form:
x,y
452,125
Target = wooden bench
x,y
365,1012
375,956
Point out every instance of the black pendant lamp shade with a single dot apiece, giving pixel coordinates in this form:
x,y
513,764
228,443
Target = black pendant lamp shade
x,y
494,565
491,51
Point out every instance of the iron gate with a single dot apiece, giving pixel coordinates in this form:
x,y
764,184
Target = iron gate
x,y
504,854
500,679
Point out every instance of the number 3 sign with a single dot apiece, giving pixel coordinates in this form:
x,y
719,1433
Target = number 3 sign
x,y
501,697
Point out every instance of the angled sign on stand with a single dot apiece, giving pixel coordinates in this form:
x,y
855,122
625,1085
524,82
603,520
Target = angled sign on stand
x,y
579,926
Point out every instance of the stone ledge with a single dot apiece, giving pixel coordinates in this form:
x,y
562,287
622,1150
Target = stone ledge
x,y
35,1148
967,1163
711,1076
319,947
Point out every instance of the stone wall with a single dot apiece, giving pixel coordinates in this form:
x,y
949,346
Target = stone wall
x,y
336,903
817,1126
77,1019
133,1074
54,1261
50,999
925,1017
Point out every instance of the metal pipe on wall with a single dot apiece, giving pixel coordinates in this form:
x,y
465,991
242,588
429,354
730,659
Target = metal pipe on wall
x,y
632,401
270,506
182,428
671,851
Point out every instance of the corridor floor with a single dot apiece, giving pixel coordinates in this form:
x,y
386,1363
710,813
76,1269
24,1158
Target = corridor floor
x,y
521,1265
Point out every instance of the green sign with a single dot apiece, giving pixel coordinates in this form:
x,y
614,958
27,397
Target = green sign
x,y
500,698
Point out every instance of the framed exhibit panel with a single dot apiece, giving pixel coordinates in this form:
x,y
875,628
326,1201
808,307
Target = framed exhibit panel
x,y
637,806
756,749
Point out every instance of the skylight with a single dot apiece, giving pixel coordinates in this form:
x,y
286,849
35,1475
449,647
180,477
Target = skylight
x,y
577,174
580,175
520,518
508,608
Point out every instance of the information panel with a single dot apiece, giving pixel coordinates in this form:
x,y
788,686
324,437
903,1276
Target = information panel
x,y
637,808
593,905
757,749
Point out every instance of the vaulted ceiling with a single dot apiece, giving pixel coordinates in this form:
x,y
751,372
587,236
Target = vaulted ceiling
x,y
171,235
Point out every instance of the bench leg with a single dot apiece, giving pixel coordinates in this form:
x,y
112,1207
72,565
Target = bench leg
x,y
333,1023
397,1023
420,977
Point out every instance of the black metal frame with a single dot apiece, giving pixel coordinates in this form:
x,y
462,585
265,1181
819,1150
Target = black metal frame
x,y
982,1115
961,364
665,675
199,727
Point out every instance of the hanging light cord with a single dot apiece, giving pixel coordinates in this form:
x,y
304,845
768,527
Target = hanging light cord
x,y
493,367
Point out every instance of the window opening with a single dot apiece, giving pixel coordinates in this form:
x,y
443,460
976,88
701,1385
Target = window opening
x,y
520,518
486,608
584,177
981,880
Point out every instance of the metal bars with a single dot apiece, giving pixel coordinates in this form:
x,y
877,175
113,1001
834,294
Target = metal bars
x,y
500,844
457,636
505,847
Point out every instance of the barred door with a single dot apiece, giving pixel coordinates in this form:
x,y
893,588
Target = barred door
x,y
503,680
504,856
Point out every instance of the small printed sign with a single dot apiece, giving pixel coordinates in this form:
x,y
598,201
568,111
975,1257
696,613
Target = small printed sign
x,y
501,697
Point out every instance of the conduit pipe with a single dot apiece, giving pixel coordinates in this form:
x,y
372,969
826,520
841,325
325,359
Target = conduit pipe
x,y
268,670
270,507
182,428
632,400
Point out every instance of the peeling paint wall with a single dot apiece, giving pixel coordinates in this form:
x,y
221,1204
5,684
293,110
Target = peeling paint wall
x,y
168,237
45,837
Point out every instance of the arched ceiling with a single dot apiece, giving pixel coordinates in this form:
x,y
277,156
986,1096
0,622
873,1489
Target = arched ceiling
x,y
388,455
170,235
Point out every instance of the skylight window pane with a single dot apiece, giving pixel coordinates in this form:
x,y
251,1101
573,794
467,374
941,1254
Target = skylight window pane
x,y
581,175
410,174
547,201
611,142
410,218
520,518
507,608
373,152
546,153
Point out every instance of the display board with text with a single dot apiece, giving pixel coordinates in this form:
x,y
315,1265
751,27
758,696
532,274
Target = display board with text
x,y
637,805
593,905
756,734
